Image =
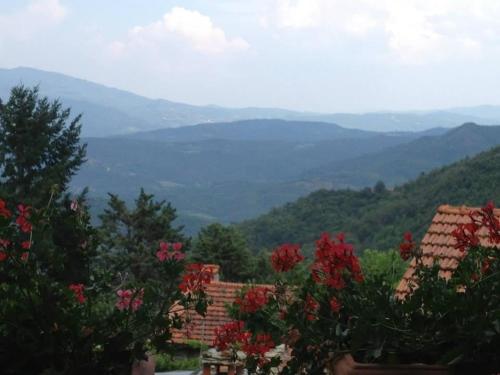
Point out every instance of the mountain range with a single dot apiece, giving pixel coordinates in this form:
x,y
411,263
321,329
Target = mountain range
x,y
110,111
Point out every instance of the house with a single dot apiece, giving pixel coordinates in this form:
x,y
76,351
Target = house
x,y
438,243
201,328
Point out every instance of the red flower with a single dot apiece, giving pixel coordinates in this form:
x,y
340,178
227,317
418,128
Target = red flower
x,y
24,256
26,245
253,300
230,334
196,277
335,305
310,307
129,299
4,243
262,344
466,236
335,262
22,220
407,247
163,253
78,289
3,256
4,211
286,257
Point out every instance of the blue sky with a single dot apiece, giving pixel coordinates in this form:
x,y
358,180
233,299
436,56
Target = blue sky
x,y
317,55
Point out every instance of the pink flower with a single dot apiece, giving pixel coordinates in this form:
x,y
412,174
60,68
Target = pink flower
x,y
25,256
4,211
4,243
22,220
129,299
26,245
74,205
163,253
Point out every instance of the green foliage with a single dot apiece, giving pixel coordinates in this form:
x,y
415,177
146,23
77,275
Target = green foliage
x,y
378,220
386,265
218,244
165,362
39,149
128,236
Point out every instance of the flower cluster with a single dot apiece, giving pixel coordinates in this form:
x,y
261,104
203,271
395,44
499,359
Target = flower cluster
x,y
196,277
335,305
254,299
229,334
466,235
407,247
164,254
22,219
286,257
77,290
335,262
310,307
259,346
4,211
129,299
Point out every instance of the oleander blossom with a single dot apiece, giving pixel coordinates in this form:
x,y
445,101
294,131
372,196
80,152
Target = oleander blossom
x,y
286,257
129,299
78,290
164,254
230,334
254,299
335,262
195,278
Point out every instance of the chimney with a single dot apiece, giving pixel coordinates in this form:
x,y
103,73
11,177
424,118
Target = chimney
x,y
214,269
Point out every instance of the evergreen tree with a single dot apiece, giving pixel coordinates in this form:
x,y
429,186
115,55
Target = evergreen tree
x,y
226,247
40,147
129,235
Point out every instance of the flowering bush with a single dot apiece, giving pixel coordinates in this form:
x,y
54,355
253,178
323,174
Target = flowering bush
x,y
63,312
337,310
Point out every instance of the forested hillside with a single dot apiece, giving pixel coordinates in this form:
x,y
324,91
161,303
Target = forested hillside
x,y
398,164
377,218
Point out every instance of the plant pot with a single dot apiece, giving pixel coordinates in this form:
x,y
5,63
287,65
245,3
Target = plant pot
x,y
144,367
348,366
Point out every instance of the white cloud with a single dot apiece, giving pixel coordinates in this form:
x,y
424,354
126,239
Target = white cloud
x,y
181,24
27,22
413,31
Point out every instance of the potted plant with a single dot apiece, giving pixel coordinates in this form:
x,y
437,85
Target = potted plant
x,y
343,322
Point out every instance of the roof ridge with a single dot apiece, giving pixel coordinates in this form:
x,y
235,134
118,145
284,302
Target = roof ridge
x,y
461,210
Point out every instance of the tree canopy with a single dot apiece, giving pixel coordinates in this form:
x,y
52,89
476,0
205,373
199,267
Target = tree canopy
x,y
40,147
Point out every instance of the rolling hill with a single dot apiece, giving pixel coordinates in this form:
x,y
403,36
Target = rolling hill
x,y
109,111
398,164
377,218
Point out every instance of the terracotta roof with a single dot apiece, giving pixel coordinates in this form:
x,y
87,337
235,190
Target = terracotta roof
x,y
439,243
202,328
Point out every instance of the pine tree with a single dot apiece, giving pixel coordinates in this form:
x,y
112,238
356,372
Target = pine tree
x,y
40,147
226,247
128,235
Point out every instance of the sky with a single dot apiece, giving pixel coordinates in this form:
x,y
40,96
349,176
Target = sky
x,y
314,55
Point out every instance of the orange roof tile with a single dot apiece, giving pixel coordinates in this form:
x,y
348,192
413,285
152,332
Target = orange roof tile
x,y
201,328
438,243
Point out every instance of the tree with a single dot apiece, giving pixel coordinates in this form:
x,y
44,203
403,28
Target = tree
x,y
129,235
226,247
40,147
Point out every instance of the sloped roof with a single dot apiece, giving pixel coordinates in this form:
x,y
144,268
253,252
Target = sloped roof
x,y
201,328
439,242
